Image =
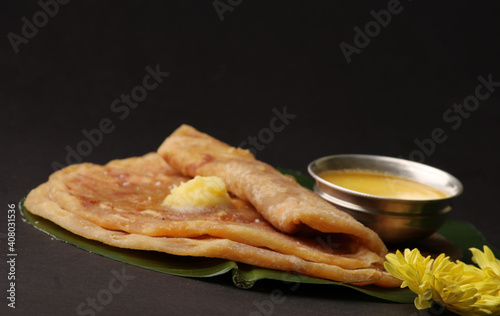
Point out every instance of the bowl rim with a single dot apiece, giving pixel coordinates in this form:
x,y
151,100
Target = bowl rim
x,y
361,209
458,184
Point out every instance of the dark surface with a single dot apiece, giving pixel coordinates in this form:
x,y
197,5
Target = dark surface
x,y
226,77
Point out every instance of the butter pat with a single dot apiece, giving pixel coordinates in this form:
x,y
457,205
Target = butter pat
x,y
200,192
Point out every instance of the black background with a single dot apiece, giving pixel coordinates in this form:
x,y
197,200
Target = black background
x,y
227,77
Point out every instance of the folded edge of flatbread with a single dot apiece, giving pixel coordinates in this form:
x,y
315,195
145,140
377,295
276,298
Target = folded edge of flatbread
x,y
281,200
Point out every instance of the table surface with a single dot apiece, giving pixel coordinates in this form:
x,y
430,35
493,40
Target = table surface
x,y
293,82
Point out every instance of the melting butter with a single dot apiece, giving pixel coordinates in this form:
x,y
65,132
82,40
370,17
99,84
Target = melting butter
x,y
199,192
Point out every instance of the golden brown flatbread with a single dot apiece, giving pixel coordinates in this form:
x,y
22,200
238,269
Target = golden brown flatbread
x,y
281,200
42,205
120,204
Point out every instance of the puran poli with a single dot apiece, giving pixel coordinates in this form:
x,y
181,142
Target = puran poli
x,y
120,204
203,246
281,200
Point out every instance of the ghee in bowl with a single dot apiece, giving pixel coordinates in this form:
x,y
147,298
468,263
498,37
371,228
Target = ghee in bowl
x,y
400,200
383,185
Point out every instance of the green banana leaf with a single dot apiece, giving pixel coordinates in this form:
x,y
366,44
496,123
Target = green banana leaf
x,y
462,234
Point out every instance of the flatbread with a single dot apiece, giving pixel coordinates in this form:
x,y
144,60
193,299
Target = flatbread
x,y
281,200
42,205
120,204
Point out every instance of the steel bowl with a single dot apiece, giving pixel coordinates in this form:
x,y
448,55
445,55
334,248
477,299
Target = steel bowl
x,y
394,220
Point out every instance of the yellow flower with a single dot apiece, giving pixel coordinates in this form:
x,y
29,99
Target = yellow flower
x,y
462,288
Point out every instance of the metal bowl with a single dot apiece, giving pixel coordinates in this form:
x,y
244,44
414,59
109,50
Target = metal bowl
x,y
395,220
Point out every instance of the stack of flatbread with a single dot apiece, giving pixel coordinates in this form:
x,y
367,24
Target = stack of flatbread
x,y
269,220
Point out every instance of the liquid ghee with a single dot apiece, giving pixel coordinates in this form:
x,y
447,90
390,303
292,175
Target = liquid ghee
x,y
382,185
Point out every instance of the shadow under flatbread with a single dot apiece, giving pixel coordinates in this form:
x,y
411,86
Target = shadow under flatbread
x,y
433,245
